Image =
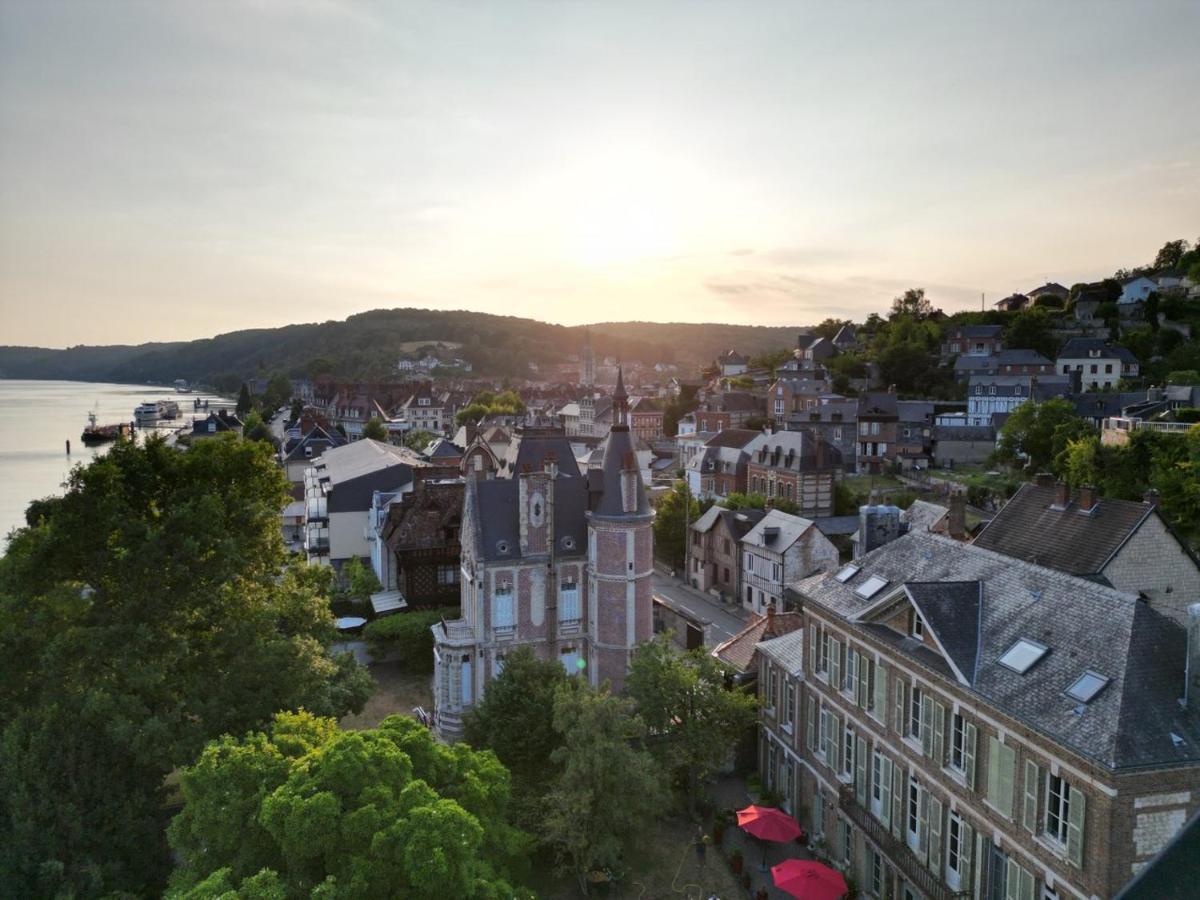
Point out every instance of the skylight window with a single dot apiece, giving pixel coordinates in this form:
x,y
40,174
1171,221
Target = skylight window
x,y
1023,654
845,573
870,587
1087,686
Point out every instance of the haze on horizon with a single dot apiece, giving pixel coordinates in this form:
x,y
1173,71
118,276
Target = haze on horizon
x,y
170,171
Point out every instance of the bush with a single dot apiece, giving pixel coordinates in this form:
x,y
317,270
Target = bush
x,y
1187,414
408,635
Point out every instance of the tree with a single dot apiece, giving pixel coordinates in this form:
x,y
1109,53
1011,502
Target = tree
x,y
296,411
330,813
737,500
609,788
771,360
912,303
418,439
906,365
244,403
149,610
1151,310
684,701
360,580
375,429
1031,329
277,394
1039,432
828,328
677,508
1170,254
1184,376
255,429
677,408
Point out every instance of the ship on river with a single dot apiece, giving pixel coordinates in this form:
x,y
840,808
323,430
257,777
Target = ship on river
x,y
101,434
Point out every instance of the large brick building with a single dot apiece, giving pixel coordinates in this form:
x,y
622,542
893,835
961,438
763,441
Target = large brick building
x,y
955,722
554,559
794,466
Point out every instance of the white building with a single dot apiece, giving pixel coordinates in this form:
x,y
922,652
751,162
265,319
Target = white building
x,y
1099,364
779,550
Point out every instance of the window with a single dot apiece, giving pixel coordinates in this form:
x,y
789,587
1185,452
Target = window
x,y
918,627
1108,368
725,575
845,573
447,574
871,587
789,702
1094,368
770,686
956,851
874,428
913,819
863,428
725,548
1022,655
465,681
958,727
818,814
568,603
914,713
1002,767
503,618
571,660
846,839
1058,808
1087,686
877,799
847,757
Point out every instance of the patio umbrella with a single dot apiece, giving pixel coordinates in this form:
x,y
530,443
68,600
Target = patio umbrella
x,y
809,880
768,824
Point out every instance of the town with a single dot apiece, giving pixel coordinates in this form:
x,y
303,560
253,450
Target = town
x,y
920,590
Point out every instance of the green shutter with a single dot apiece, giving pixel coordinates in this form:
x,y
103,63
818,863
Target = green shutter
x,y
835,663
1026,890
813,645
899,783
966,851
901,704
923,824
935,835
864,668
970,736
939,734
993,773
885,792
927,725
1075,821
852,660
1008,777
835,745
1029,813
881,685
860,770
1012,880
811,704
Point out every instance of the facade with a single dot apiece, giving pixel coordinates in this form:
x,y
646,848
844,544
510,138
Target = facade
x,y
778,550
646,418
714,557
796,467
962,445
972,340
1099,364
423,409
877,420
303,442
989,396
958,723
732,363
728,409
834,421
793,395
1136,289
719,467
421,540
553,559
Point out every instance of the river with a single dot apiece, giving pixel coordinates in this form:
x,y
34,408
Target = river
x,y
37,418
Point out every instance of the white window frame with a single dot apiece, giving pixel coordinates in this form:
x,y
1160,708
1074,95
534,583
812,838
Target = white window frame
x,y
1057,805
958,742
504,609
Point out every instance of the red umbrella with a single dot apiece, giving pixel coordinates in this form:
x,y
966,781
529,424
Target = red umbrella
x,y
809,880
768,824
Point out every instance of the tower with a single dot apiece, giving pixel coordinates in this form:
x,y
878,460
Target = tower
x,y
620,552
587,360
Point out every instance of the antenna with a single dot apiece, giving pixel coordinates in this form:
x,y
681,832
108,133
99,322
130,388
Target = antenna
x,y
982,300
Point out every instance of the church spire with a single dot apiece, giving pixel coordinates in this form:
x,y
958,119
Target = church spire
x,y
620,402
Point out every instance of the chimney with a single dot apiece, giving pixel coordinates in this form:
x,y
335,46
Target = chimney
x,y
956,521
1087,498
1151,497
1062,495
1044,479
877,525
1191,684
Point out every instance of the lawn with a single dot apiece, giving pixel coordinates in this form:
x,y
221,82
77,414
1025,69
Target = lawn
x,y
395,692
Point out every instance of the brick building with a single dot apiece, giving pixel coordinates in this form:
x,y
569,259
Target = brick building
x,y
961,723
835,421
718,467
728,409
877,420
794,466
646,418
554,559
972,340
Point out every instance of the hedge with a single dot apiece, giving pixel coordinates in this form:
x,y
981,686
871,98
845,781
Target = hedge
x,y
408,635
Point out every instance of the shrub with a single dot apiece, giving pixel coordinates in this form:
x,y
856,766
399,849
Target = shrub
x,y
1187,414
408,635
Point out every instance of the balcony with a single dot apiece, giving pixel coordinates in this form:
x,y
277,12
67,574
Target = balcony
x,y
907,863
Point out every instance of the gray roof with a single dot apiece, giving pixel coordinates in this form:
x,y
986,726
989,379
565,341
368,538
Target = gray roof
x,y
739,521
969,363
922,515
914,410
794,451
531,449
790,529
1085,625
1019,356
606,479
1030,528
362,457
492,507
952,610
976,331
1080,347
836,525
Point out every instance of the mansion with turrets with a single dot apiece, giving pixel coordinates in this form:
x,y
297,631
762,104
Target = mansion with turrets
x,y
554,559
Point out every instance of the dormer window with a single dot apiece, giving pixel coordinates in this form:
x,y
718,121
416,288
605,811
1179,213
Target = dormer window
x,y
918,627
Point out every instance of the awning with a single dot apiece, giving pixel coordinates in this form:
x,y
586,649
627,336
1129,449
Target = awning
x,y
387,601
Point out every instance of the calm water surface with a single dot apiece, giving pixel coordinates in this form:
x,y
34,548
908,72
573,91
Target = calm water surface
x,y
37,418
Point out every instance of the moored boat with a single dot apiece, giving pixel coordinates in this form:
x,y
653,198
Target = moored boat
x,y
102,434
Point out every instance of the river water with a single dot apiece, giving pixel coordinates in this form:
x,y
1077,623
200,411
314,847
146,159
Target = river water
x,y
37,418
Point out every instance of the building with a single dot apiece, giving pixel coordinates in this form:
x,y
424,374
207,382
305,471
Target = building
x,y
1098,363
714,557
728,409
959,723
1126,544
812,350
587,362
833,420
421,542
1136,289
732,363
422,410
877,420
846,340
646,418
1012,303
793,394
740,652
989,396
719,467
962,445
303,442
778,550
972,340
339,488
913,445
795,467
553,559
1050,289
219,422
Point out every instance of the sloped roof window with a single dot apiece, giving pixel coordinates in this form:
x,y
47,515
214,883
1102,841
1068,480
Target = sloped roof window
x,y
845,573
1087,686
870,587
1022,655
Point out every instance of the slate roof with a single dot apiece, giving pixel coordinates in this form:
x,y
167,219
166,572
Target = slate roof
x,y
532,448
1079,348
492,508
1029,528
922,515
740,650
1085,625
1019,356
845,336
831,526
1050,287
801,445
972,364
618,454
791,528
732,437
877,403
951,609
914,410
787,650
977,331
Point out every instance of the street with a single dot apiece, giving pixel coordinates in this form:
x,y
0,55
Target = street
x,y
726,621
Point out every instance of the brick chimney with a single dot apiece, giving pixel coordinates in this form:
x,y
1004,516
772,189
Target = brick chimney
x,y
1087,498
956,521
1044,479
1062,495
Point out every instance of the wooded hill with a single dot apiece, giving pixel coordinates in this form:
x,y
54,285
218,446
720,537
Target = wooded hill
x,y
368,345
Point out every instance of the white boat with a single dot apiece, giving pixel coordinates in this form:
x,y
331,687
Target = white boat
x,y
181,386
152,411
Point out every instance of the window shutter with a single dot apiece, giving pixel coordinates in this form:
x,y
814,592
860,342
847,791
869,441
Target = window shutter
x,y
966,850
812,643
864,664
881,683
993,773
811,703
851,669
1075,820
835,743
1026,889
926,725
901,704
1008,776
885,791
835,664
860,771
939,733
1029,816
898,785
970,736
923,824
935,835
1012,880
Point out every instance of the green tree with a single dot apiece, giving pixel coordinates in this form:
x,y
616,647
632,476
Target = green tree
x,y
609,789
676,510
1031,329
278,393
149,610
1184,376
737,500
255,429
382,813
1151,310
296,411
244,403
684,701
1037,433
1170,254
418,439
375,429
829,328
912,303
360,580
771,360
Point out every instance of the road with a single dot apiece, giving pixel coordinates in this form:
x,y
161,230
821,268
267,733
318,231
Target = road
x,y
725,622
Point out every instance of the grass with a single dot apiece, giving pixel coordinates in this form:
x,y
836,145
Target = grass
x,y
395,692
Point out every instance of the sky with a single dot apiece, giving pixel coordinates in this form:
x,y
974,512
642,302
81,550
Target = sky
x,y
173,170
